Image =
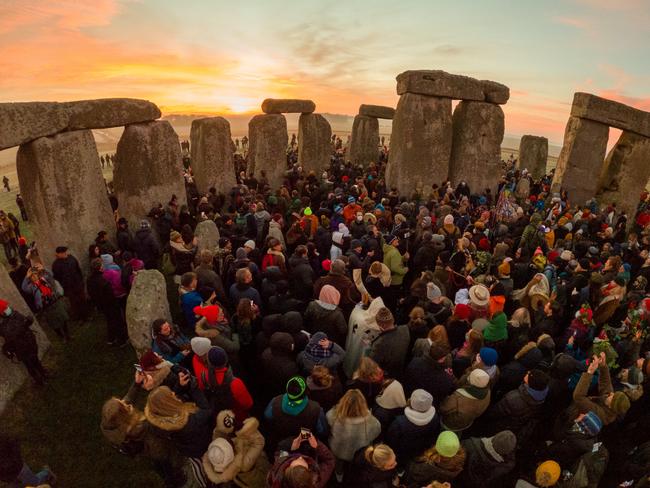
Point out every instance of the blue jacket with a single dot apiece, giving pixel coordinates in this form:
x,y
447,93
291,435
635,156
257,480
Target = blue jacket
x,y
188,302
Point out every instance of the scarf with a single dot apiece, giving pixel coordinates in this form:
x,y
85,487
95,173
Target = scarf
x,y
487,444
475,391
537,395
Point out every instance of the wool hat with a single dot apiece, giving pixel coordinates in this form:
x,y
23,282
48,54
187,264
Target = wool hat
x,y
480,324
220,454
60,249
326,264
150,360
462,296
447,444
250,243
504,269
240,253
462,311
448,220
296,389
217,357
479,378
433,291
537,379
504,442
307,211
337,267
634,374
421,401
547,474
384,318
489,356
355,243
620,403
351,200
211,312
479,295
545,341
200,345
590,424
564,364
3,306
329,294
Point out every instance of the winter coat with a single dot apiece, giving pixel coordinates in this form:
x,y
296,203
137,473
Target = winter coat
x,y
481,467
68,273
146,247
208,278
276,232
570,447
512,374
514,411
190,300
427,374
237,292
582,403
411,433
390,349
100,291
306,361
321,464
463,406
365,474
277,364
301,277
330,321
432,466
351,434
326,397
19,339
395,262
350,296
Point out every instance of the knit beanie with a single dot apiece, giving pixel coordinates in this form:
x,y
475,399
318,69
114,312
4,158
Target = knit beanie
x,y
449,219
504,442
384,318
537,379
149,360
479,378
200,345
296,389
547,474
462,311
489,356
220,454
620,403
447,444
634,376
217,357
590,424
211,312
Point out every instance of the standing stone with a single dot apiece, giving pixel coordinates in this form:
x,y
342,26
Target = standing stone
x,y
267,147
64,191
420,144
207,234
212,154
109,112
533,154
148,169
581,159
364,142
24,122
147,302
625,173
314,142
13,375
476,146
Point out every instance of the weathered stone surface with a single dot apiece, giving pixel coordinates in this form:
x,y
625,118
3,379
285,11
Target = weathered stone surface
x,y
378,111
147,302
64,191
212,154
13,375
581,159
420,144
495,92
476,146
267,147
437,83
609,112
287,106
109,112
314,142
148,169
625,173
533,155
364,141
207,235
23,122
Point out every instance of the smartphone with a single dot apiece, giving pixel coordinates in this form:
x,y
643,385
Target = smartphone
x,y
138,368
305,434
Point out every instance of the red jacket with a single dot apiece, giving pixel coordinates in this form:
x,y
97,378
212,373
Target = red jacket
x,y
242,400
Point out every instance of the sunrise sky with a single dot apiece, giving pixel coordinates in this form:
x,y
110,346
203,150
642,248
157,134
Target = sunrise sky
x,y
217,56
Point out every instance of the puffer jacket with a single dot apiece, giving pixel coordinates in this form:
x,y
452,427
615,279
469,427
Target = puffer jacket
x,y
330,321
514,411
277,363
395,262
463,406
350,434
481,467
432,466
512,374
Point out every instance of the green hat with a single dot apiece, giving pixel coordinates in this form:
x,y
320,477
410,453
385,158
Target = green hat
x,y
447,444
296,388
307,211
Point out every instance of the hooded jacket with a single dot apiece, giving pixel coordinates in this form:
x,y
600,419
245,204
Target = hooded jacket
x,y
482,468
463,406
330,320
395,262
314,355
146,247
277,364
411,433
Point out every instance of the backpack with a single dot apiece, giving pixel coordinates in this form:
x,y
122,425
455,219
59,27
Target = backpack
x,y
219,395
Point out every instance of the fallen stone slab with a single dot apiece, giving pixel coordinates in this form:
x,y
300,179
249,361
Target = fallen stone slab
x,y
364,141
23,122
147,302
212,154
287,106
609,112
109,112
377,111
438,83
314,142
533,155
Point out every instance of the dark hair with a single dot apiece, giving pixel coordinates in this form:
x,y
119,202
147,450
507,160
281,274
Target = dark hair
x,y
187,278
96,264
157,324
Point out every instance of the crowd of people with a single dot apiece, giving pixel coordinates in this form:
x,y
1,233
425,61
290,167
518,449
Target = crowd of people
x,y
342,333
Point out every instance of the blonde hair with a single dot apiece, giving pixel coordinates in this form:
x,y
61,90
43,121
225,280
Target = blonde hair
x,y
122,418
367,370
438,335
322,376
520,318
474,341
352,405
164,409
379,455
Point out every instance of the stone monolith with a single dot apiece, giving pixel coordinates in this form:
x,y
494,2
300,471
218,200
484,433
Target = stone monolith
x,y
581,159
148,169
476,145
147,302
378,111
23,122
207,234
287,106
609,112
437,83
267,147
64,192
533,154
109,112
364,141
13,375
212,154
314,142
625,173
420,143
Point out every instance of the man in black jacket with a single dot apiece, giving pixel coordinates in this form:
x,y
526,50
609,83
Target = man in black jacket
x,y
67,272
101,294
146,246
429,373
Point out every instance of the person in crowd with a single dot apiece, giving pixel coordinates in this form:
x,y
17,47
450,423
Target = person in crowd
x,y
170,343
324,387
306,463
146,245
460,409
320,351
430,373
42,287
390,348
102,296
67,272
443,462
488,459
375,466
324,315
368,378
